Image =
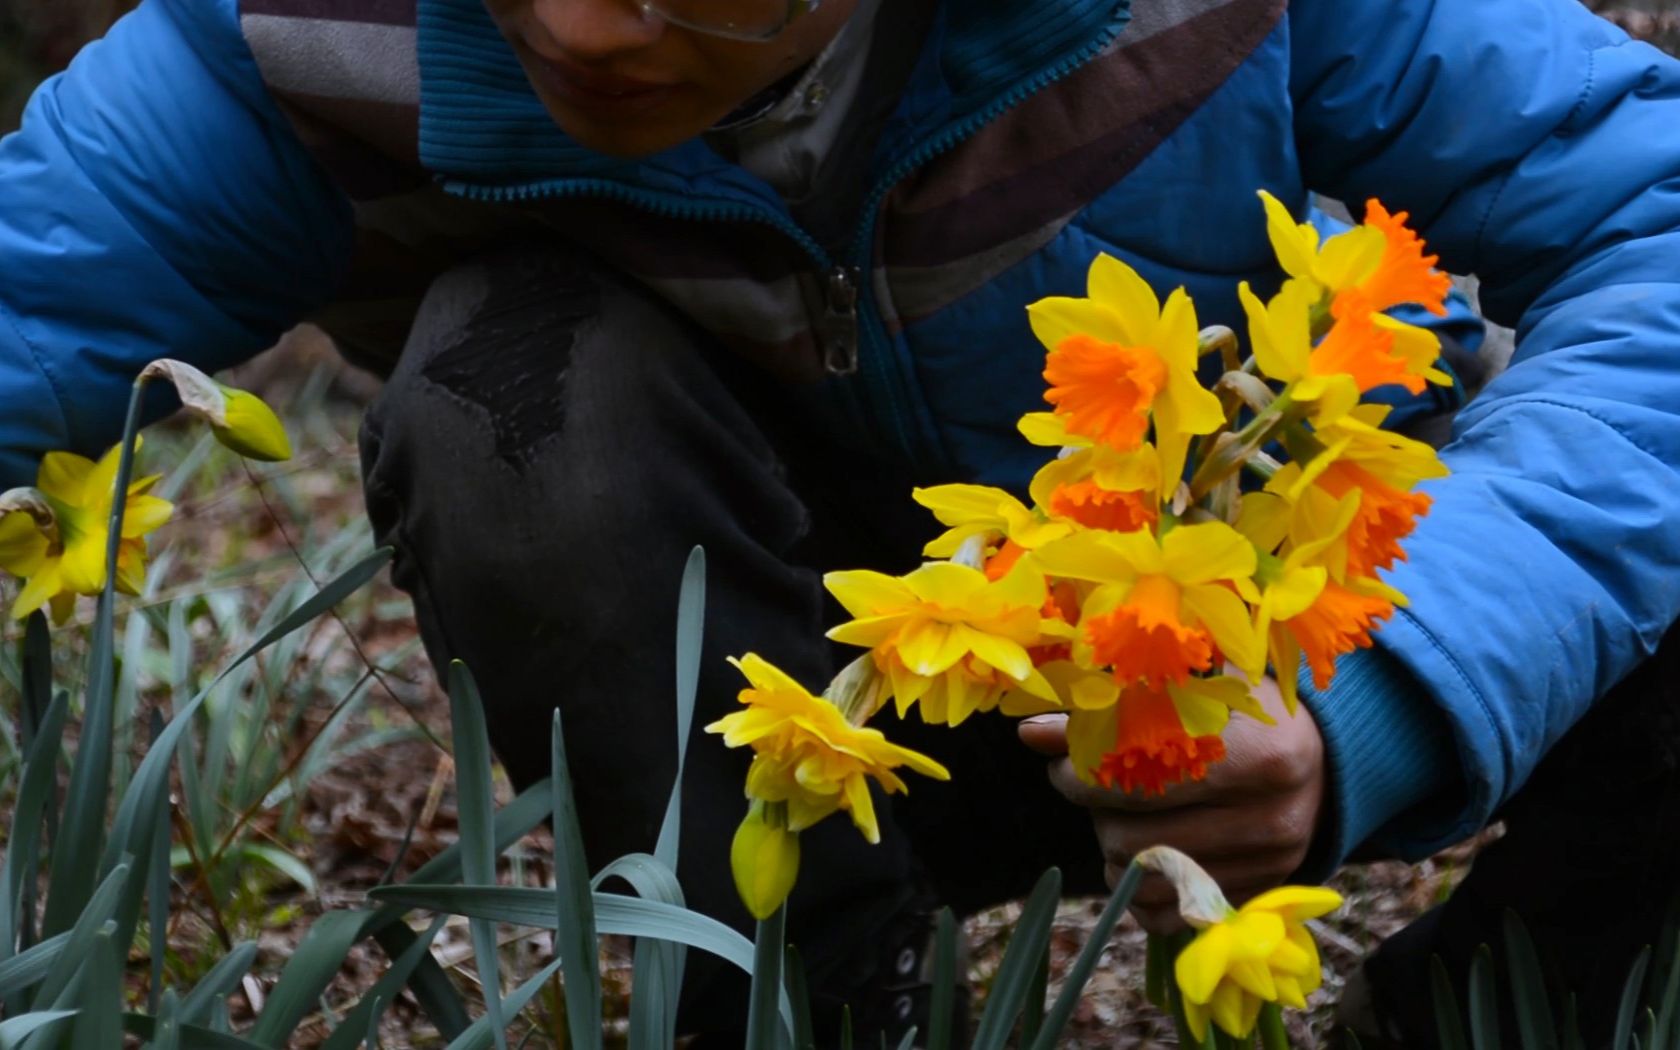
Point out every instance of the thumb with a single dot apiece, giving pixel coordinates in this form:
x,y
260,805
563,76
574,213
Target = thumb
x,y
1046,734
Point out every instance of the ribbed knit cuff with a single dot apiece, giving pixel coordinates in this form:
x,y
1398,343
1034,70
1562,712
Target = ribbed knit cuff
x,y
1388,748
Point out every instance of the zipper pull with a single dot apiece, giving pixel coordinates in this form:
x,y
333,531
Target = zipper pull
x,y
839,330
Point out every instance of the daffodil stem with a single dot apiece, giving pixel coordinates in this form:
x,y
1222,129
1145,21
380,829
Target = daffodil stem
x,y
1232,450
119,502
1157,969
1272,1035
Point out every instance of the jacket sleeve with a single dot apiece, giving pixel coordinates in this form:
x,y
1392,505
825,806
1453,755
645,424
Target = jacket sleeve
x,y
155,203
1539,148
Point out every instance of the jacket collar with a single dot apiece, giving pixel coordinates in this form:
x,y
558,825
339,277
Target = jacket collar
x,y
482,124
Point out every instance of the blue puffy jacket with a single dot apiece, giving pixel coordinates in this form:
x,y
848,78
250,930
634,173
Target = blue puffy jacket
x,y
212,173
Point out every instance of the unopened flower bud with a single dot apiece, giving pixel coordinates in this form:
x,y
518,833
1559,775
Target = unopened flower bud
x,y
765,859
240,420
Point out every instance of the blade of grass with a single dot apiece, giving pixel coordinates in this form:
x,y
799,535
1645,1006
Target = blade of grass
x,y
15,1030
1631,990
193,1037
429,985
1032,1011
769,946
168,1032
657,966
475,797
98,1024
1073,985
575,941
157,893
477,1036
1484,1002
943,1001
75,869
364,1018
799,994
1535,1027
35,791
29,967
614,914
691,622
37,698
1014,976
87,929
223,978
75,865
1449,1026
1667,1005
313,965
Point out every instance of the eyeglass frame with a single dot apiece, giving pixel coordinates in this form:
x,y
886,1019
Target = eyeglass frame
x,y
795,10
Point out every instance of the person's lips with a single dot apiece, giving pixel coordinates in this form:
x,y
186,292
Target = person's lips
x,y
597,89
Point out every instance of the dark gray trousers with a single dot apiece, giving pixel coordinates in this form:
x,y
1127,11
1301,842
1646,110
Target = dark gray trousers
x,y
546,453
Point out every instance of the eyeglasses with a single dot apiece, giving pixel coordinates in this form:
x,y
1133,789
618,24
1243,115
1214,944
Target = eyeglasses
x,y
754,20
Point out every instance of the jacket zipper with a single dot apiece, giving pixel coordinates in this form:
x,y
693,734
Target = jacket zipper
x,y
853,335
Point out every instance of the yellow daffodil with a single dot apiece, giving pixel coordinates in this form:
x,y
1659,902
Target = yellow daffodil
x,y
1241,958
61,553
1354,277
1092,485
241,420
950,640
1281,334
1145,739
1383,468
980,510
1119,360
808,756
1380,263
1161,605
1259,953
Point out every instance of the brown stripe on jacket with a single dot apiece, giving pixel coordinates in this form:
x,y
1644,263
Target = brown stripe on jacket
x,y
1011,187
381,12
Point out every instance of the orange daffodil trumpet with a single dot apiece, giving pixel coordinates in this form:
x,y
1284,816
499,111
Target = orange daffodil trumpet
x,y
1122,364
1180,542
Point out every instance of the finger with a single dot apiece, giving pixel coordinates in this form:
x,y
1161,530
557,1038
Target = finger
x,y
1046,734
1209,832
1092,796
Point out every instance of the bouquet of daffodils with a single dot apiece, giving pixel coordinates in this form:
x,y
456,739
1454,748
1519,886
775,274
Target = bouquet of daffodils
x,y
1181,542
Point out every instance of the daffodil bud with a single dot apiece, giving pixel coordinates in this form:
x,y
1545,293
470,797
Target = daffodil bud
x,y
240,420
765,859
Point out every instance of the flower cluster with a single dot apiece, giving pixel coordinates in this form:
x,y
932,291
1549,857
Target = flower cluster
x,y
1182,542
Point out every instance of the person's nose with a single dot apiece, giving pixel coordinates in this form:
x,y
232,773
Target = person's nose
x,y
595,30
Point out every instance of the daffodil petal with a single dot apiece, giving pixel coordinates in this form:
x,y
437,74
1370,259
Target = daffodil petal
x,y
1195,554
1202,964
